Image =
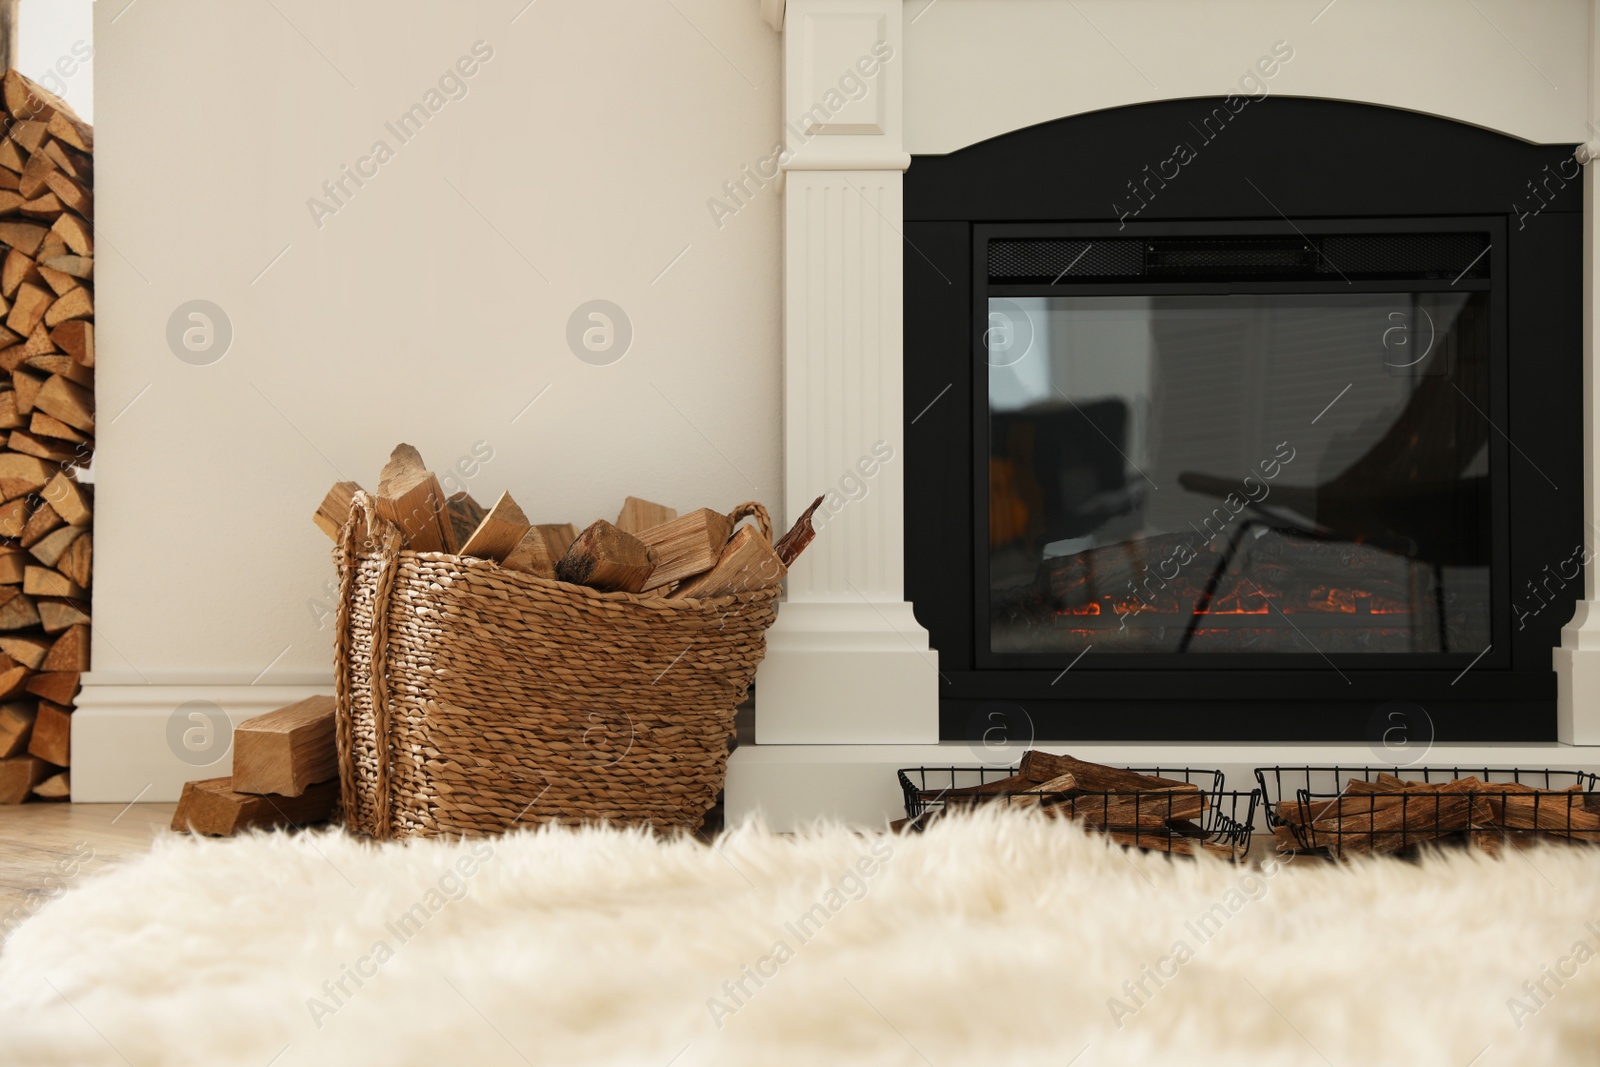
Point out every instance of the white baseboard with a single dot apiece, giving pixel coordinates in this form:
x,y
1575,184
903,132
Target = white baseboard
x,y
144,741
792,786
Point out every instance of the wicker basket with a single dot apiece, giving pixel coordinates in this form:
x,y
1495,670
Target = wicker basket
x,y
473,699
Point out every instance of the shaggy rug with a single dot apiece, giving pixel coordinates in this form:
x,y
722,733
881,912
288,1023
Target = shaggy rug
x,y
992,940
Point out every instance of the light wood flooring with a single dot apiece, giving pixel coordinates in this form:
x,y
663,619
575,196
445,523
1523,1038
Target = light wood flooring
x,y
44,848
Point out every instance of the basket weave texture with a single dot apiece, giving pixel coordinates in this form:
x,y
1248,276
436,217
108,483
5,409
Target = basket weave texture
x,y
472,699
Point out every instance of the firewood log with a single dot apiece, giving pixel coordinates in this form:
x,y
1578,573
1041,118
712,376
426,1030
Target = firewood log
x,y
42,521
500,531
18,611
465,514
747,564
1042,766
42,581
55,787
213,807
639,515
286,751
791,544
330,514
558,537
13,563
70,653
54,613
77,563
18,776
531,556
58,687
52,734
27,649
685,546
410,497
67,401
49,549
605,558
76,339
16,726
71,500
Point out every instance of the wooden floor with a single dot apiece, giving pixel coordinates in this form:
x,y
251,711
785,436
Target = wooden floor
x,y
44,848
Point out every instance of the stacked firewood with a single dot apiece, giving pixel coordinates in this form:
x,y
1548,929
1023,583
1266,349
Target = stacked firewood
x,y
46,433
1140,810
1389,813
650,549
285,773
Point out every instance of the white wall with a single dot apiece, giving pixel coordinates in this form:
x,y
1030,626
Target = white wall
x,y
55,48
591,141
978,68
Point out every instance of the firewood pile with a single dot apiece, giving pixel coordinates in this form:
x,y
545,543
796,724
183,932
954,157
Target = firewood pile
x,y
285,773
650,549
1130,807
46,433
1388,814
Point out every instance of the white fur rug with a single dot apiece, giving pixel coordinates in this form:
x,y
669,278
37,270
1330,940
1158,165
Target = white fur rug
x,y
1001,939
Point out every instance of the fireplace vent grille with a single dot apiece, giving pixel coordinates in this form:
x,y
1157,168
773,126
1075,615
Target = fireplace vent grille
x,y
1389,257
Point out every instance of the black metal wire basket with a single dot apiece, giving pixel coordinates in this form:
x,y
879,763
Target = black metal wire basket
x,y
1150,819
1326,813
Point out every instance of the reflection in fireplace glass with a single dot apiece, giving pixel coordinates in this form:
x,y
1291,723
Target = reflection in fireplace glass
x,y
1240,473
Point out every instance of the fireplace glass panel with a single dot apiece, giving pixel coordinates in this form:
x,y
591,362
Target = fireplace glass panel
x,y
1236,473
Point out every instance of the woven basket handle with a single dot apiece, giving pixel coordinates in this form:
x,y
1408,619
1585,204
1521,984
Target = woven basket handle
x,y
750,509
364,530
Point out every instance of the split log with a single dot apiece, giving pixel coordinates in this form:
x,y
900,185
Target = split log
x,y
13,563
1559,813
77,563
54,613
70,653
1042,766
16,269
76,339
42,581
500,531
28,307
558,537
465,513
52,734
213,807
41,523
18,776
70,500
16,727
80,267
606,558
58,687
791,544
26,649
67,401
410,497
286,751
531,556
747,564
48,550
14,517
639,515
26,386
686,546
330,514
17,610
55,787
75,232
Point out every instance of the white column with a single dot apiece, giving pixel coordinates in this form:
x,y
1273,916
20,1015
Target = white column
x,y
846,661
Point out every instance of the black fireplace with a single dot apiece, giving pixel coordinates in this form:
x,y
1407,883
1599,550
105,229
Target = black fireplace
x,y
1283,443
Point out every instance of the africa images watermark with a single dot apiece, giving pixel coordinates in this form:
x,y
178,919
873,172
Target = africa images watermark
x,y
451,887
1252,85
853,85
1537,993
452,85
850,886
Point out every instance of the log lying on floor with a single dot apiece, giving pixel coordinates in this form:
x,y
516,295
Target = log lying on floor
x,y
685,546
606,558
213,807
286,751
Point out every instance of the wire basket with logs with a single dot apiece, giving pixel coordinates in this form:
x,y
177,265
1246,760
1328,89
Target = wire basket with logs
x,y
1183,811
492,672
1342,812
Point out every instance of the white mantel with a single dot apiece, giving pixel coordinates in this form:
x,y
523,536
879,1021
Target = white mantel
x,y
968,70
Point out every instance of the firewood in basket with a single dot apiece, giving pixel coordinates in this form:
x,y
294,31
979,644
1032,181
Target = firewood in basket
x,y
335,508
213,807
973,794
531,556
747,564
500,531
685,546
465,514
410,497
558,537
606,558
639,515
1095,777
791,544
1120,811
1556,812
286,751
